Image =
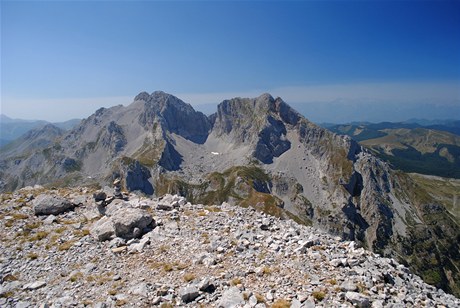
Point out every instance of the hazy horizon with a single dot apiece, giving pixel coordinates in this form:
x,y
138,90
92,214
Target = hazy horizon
x,y
332,61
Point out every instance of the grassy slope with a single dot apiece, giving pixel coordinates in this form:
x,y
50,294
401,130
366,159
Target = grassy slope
x,y
432,249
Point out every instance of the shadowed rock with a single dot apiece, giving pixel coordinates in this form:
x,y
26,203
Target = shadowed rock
x,y
51,204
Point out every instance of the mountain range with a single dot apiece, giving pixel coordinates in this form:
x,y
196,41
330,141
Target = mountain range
x,y
11,129
256,152
433,149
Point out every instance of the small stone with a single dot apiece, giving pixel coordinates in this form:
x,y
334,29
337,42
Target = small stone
x,y
119,249
348,286
34,285
252,301
358,299
295,303
140,289
23,305
50,219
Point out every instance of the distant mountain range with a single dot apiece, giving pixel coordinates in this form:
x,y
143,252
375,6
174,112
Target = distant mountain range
x,y
433,149
11,129
254,152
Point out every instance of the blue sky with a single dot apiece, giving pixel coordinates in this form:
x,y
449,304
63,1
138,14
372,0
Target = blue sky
x,y
64,59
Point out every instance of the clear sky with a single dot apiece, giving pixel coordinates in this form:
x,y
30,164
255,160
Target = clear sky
x,y
65,59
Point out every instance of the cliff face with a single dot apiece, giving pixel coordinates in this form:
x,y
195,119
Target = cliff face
x,y
254,152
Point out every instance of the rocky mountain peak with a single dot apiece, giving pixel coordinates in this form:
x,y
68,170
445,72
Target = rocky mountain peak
x,y
174,115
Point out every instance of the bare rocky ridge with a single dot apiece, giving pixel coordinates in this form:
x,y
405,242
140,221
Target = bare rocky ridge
x,y
194,255
253,152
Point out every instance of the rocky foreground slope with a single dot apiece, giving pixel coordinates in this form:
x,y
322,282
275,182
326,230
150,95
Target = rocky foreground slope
x,y
61,248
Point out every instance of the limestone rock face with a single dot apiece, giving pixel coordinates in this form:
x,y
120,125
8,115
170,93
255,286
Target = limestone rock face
x,y
51,204
176,116
137,178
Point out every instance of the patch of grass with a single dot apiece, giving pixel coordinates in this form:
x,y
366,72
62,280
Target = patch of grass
x,y
205,237
189,277
202,213
38,236
100,279
432,277
281,303
318,295
260,298
68,221
262,255
121,302
361,287
81,233
163,248
10,277
213,209
8,294
33,225
332,281
60,230
181,266
236,281
19,216
66,246
166,305
32,256
76,277
113,292
167,267
266,270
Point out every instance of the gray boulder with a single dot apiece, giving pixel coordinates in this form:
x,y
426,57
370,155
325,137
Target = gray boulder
x,y
189,294
130,223
358,299
231,298
51,204
103,229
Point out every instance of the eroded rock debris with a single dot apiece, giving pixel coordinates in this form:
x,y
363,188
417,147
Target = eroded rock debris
x,y
146,252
